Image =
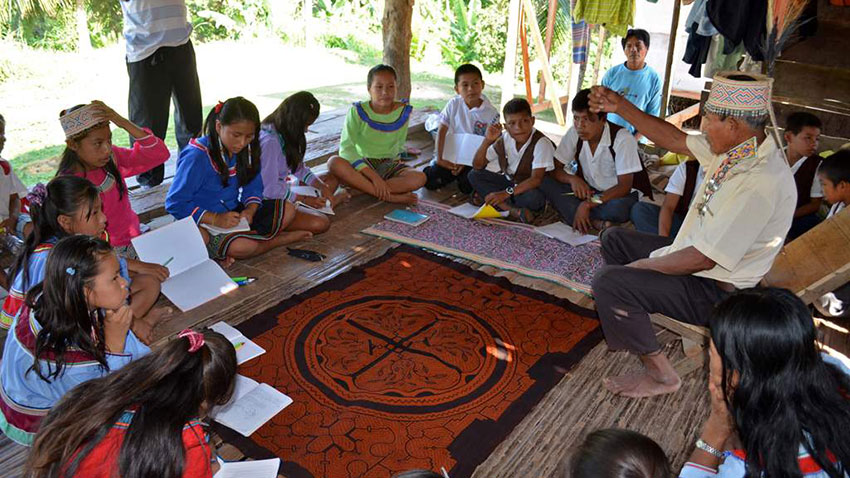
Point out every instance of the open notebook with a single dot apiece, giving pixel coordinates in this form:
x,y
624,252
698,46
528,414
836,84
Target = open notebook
x,y
243,226
246,349
248,468
252,405
310,191
195,278
461,148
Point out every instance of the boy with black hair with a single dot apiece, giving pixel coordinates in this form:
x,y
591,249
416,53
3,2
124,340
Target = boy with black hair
x,y
470,112
802,132
599,171
634,79
510,165
834,176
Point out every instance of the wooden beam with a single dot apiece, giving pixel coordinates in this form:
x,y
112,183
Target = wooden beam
x,y
550,27
526,68
509,69
547,70
600,50
671,52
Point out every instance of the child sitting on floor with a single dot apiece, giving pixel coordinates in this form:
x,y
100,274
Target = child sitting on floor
x,y
372,140
89,153
834,175
12,190
71,205
616,453
470,112
599,171
509,166
283,143
218,182
74,327
681,190
802,132
143,420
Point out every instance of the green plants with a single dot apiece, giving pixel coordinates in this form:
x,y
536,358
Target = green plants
x,y
462,44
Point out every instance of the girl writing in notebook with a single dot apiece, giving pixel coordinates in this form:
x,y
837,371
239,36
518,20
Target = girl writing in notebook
x,y
74,327
71,205
143,420
218,183
284,143
89,153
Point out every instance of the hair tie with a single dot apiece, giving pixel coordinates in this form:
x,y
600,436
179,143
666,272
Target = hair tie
x,y
70,271
218,107
196,339
37,195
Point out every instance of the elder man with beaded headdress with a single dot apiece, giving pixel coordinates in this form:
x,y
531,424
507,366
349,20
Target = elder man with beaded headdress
x,y
730,236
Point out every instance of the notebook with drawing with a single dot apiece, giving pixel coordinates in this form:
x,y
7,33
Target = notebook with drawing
x,y
461,148
246,349
252,405
312,192
194,278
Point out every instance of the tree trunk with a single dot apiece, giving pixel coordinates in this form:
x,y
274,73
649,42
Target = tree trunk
x,y
398,15
83,38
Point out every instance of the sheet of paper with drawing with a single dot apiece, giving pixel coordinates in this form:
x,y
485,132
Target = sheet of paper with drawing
x,y
252,405
461,148
248,468
564,233
310,191
246,349
194,278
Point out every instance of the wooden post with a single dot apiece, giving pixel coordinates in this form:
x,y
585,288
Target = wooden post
x,y
397,36
671,52
547,70
509,70
600,50
526,68
550,26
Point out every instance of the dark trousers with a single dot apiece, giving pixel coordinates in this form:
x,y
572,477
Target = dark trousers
x,y
438,176
169,75
557,193
485,182
645,218
626,296
801,225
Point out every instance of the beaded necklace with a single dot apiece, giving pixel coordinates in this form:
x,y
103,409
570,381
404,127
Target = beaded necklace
x,y
735,156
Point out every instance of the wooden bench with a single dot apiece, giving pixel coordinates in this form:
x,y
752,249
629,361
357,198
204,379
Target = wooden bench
x,y
814,264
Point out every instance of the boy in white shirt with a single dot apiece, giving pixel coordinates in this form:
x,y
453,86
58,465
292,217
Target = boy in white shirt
x,y
802,133
509,166
682,189
470,112
11,192
834,175
599,171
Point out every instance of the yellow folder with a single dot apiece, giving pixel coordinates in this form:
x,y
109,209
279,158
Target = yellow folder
x,y
486,212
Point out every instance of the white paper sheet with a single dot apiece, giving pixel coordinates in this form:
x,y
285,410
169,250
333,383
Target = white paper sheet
x,y
461,148
465,210
248,350
241,388
248,468
195,279
253,409
310,191
243,226
565,233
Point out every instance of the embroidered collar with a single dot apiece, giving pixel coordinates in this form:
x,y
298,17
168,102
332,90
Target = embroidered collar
x,y
385,127
734,163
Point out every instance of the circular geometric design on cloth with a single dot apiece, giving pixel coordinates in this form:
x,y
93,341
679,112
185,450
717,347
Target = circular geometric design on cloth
x,y
401,357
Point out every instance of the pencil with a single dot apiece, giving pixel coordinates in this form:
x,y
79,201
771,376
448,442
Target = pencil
x,y
568,194
165,264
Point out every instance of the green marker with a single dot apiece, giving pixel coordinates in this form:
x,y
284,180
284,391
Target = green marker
x,y
239,279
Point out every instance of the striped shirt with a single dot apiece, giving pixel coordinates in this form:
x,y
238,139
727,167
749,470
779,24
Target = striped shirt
x,y
151,24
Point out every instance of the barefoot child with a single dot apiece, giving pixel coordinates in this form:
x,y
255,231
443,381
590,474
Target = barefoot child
x,y
143,420
218,182
510,166
372,139
470,112
71,205
283,143
75,327
91,155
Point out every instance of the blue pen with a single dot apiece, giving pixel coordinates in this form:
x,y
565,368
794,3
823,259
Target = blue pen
x,y
224,204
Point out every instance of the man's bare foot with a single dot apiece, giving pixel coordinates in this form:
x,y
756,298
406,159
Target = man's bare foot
x,y
407,198
641,385
341,197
